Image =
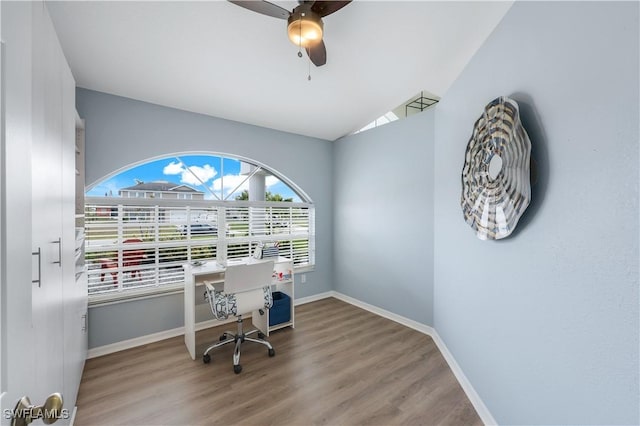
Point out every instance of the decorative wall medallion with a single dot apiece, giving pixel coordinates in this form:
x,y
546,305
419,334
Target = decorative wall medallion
x,y
495,177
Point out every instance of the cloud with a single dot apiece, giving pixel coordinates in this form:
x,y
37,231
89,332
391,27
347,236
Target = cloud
x,y
173,169
204,173
230,183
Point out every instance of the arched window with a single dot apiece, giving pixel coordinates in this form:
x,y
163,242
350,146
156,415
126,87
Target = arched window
x,y
144,222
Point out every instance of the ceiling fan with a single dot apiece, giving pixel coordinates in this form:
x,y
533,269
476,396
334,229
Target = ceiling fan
x,y
305,26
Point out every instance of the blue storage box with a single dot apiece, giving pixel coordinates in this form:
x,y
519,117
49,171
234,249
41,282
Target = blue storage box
x,y
281,310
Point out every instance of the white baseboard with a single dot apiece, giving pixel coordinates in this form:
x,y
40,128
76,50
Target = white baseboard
x,y
476,401
313,298
150,338
478,404
385,314
132,343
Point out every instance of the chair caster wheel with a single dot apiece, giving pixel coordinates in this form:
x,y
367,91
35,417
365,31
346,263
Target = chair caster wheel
x,y
223,337
261,335
237,369
272,352
206,358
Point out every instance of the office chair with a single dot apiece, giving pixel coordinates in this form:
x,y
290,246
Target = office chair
x,y
247,288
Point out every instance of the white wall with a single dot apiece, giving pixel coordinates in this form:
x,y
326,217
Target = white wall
x,y
545,322
383,217
121,131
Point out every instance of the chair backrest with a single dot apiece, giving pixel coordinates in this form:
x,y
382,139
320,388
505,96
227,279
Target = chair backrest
x,y
245,277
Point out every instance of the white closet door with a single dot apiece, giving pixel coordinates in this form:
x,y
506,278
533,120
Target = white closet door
x,y
47,296
17,354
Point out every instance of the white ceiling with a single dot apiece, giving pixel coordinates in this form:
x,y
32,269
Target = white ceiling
x,y
215,58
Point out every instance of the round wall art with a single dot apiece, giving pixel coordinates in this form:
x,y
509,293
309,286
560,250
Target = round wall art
x,y
495,178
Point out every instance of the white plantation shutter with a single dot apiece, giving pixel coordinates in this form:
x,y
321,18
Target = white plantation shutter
x,y
138,246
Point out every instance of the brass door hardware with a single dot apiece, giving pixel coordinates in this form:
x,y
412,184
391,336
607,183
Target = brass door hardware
x,y
49,412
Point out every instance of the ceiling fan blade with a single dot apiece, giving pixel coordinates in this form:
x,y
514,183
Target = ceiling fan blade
x,y
264,7
324,8
318,54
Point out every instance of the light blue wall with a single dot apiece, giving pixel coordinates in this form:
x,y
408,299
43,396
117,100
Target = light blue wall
x,y
545,323
121,131
383,218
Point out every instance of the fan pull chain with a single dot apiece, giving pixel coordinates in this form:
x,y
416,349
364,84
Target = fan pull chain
x,y
300,39
309,62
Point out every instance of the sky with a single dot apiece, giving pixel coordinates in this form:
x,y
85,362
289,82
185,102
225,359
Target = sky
x,y
220,176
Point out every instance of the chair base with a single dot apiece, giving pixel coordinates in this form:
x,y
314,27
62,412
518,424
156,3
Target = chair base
x,y
238,338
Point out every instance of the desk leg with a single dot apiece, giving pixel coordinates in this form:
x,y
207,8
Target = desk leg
x,y
189,312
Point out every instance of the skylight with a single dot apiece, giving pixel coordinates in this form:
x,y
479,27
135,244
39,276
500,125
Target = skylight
x,y
414,105
383,119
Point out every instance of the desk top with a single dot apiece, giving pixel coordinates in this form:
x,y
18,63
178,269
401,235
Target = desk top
x,y
212,267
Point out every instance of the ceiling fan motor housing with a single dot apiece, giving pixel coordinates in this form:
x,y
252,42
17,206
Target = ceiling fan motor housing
x,y
305,27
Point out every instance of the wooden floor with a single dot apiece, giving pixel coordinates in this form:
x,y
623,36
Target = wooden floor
x,y
340,366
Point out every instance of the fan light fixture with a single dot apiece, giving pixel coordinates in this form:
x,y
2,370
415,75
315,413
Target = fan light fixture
x,y
305,28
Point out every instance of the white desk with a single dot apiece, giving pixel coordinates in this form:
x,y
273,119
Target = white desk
x,y
195,276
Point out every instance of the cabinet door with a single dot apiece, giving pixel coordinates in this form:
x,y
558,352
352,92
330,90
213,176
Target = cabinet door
x,y
17,355
46,215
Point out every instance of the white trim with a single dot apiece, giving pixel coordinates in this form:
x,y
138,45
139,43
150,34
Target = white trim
x,y
313,298
150,338
476,401
132,343
74,413
386,314
478,404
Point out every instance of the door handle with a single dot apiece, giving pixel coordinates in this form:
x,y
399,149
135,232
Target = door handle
x,y
59,243
39,254
49,412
